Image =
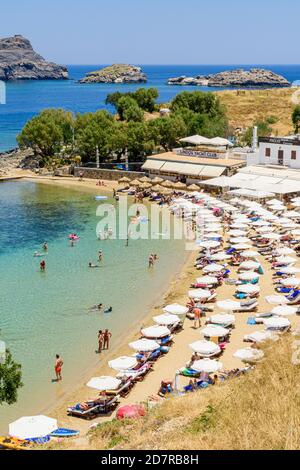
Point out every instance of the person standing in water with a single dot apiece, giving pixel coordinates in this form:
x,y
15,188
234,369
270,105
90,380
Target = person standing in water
x,y
43,265
58,367
100,341
45,246
106,339
151,261
100,256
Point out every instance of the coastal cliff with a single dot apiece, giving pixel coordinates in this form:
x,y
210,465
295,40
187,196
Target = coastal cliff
x,y
234,78
18,61
116,73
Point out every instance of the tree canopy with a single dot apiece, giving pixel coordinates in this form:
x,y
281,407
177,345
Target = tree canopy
x,y
56,132
296,119
10,380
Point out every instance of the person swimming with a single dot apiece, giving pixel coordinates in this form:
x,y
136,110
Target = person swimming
x,y
108,310
37,254
92,265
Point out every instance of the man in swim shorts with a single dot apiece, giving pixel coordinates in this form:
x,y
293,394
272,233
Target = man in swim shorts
x,y
106,339
58,367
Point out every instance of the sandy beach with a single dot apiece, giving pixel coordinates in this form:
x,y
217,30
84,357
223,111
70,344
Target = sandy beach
x,y
179,354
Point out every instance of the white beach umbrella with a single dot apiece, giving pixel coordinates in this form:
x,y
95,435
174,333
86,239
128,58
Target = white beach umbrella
x,y
209,244
212,228
249,265
248,276
249,354
237,233
277,208
30,427
200,294
290,282
296,232
271,236
104,383
289,270
241,246
273,202
265,229
211,236
260,336
286,260
144,345
166,320
260,223
292,214
176,309
276,299
156,331
207,365
228,305
285,250
205,348
214,331
207,280
250,254
290,225
223,319
284,310
276,323
213,268
248,289
238,240
123,363
222,256
239,225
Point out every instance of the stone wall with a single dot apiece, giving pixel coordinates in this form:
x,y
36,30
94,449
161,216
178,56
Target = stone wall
x,y
105,174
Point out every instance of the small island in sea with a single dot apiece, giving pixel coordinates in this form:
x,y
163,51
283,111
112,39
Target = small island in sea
x,y
19,61
234,78
116,73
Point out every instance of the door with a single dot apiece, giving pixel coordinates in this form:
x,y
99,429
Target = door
x,y
280,157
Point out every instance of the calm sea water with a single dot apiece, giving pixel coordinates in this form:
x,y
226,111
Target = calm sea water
x,y
42,314
25,99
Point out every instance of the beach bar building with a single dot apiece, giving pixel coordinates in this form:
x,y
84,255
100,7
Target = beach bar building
x,y
201,160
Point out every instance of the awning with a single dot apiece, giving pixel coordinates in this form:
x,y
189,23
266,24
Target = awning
x,y
153,165
212,171
182,168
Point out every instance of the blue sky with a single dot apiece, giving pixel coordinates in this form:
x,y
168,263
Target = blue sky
x,y
158,31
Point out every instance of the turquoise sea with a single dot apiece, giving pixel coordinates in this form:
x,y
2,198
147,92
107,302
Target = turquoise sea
x,y
42,314
25,99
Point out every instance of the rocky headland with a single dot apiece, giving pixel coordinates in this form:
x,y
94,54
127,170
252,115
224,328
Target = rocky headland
x,y
234,78
116,73
18,61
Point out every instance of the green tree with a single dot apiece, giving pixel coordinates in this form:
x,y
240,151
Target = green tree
x,y
166,131
48,132
118,140
10,380
144,97
93,130
296,119
140,142
129,110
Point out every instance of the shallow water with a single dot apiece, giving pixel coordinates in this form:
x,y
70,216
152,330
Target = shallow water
x,y
42,314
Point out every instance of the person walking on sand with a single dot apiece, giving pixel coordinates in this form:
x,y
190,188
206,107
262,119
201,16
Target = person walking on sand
x,y
100,341
58,367
106,339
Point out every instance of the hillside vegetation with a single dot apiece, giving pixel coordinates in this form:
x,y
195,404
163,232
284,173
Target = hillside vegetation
x,y
260,410
245,107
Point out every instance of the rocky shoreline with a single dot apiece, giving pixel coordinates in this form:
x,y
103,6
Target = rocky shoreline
x,y
116,73
234,78
17,159
18,61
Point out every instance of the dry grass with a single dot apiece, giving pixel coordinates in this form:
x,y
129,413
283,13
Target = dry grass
x,y
246,107
258,411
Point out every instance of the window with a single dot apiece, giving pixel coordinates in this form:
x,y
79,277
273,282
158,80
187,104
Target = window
x,y
293,155
268,152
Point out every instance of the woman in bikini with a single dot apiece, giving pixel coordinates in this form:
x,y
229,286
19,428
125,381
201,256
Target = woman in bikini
x,y
58,367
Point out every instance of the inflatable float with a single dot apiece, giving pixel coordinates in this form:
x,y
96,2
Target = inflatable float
x,y
74,237
101,198
62,432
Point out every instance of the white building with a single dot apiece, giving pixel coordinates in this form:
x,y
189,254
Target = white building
x,y
282,151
